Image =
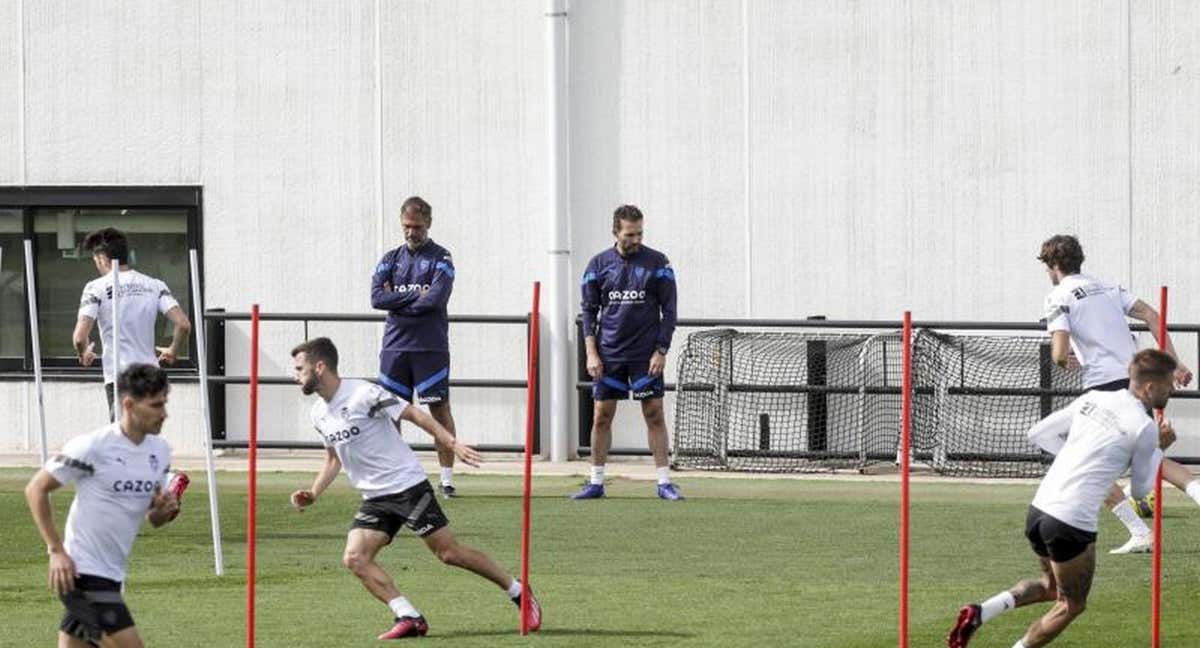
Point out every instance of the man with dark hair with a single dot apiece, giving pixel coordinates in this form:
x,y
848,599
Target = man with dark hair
x,y
413,284
1086,320
141,299
1094,439
359,424
122,474
628,319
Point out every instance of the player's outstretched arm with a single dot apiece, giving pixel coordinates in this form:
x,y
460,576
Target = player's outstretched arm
x,y
423,420
329,472
37,495
1050,433
1144,312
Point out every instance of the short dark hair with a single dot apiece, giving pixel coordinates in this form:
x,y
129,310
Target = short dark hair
x,y
627,213
140,381
1150,365
320,348
108,241
1062,251
418,205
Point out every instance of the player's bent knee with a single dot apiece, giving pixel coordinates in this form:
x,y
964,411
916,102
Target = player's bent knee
x,y
355,562
1071,608
451,555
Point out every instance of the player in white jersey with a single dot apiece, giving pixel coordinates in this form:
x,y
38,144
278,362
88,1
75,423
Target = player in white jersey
x,y
1096,438
142,298
1086,320
359,423
120,471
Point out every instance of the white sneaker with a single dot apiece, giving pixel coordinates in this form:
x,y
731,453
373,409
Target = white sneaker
x,y
1136,544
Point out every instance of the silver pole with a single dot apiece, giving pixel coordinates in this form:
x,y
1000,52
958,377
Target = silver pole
x,y
202,370
115,273
558,310
31,288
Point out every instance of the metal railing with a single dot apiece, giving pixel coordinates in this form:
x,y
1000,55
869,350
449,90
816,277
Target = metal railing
x,y
583,384
215,333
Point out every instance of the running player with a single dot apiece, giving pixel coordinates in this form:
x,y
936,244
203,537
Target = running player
x,y
628,320
141,299
1086,320
120,472
413,284
1096,438
359,423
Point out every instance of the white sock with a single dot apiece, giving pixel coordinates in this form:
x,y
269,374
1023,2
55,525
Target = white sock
x,y
991,608
447,476
598,474
402,608
1129,517
664,474
514,590
1020,643
1193,490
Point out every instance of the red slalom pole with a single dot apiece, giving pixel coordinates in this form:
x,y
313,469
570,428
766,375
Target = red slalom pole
x,y
1156,582
252,498
530,397
905,433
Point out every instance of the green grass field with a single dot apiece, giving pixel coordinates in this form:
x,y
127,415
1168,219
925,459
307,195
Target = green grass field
x,y
743,562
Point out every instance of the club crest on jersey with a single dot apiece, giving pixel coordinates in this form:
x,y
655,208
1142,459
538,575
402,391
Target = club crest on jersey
x,y
639,273
423,266
154,462
345,411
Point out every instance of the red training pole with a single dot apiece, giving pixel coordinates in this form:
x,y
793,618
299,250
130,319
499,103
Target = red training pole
x,y
251,504
905,432
530,395
1156,583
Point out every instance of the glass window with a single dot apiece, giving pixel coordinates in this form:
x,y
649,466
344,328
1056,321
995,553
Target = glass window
x,y
161,222
12,284
158,244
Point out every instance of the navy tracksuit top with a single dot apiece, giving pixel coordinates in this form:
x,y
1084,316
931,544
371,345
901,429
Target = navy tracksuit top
x,y
415,321
629,303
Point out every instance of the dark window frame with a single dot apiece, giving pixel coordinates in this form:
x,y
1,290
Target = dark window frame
x,y
29,199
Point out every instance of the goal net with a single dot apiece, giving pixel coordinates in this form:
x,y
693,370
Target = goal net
x,y
815,401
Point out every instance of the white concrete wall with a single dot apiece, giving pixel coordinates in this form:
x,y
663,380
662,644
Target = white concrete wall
x,y
11,104
897,156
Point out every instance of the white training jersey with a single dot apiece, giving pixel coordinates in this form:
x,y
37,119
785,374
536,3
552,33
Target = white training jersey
x,y
1093,312
1095,439
142,298
115,482
358,424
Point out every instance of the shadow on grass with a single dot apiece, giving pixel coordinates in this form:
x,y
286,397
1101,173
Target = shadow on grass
x,y
566,632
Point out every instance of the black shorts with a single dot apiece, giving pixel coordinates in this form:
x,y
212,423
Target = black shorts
x,y
1054,539
416,508
1115,385
94,608
621,378
427,373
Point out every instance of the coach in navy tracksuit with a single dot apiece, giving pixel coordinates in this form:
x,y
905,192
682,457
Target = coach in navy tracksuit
x,y
628,320
413,283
